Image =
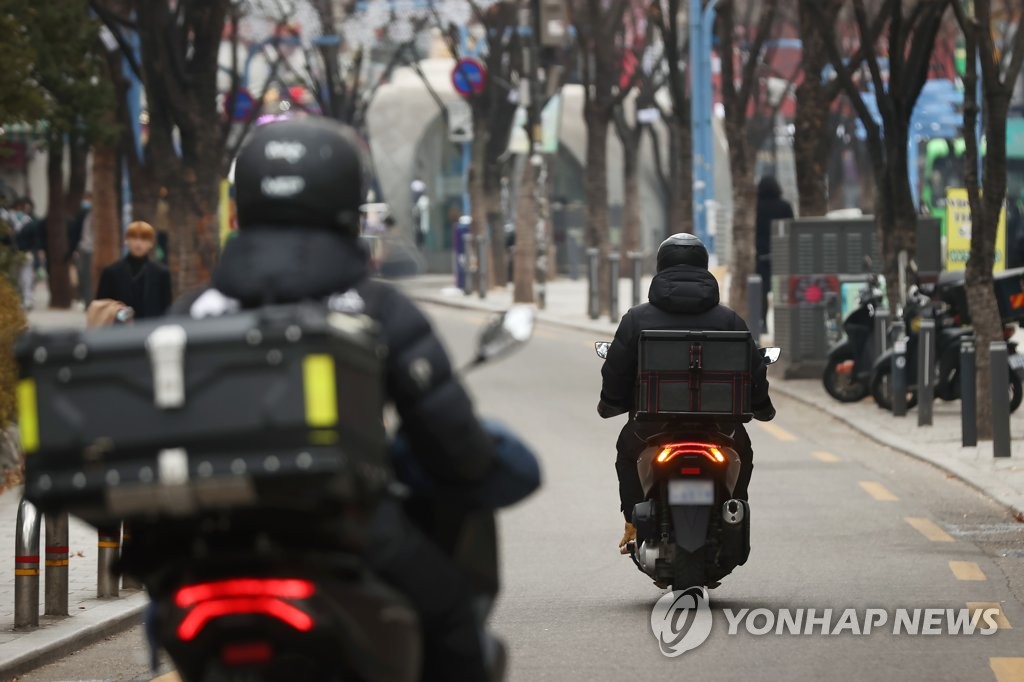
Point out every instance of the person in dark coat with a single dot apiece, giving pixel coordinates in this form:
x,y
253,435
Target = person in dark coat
x,y
135,280
298,239
683,295
770,207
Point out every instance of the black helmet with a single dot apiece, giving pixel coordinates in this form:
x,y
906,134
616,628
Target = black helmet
x,y
306,172
682,248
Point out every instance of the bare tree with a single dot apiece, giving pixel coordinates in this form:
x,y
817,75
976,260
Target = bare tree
x,y
909,32
1000,70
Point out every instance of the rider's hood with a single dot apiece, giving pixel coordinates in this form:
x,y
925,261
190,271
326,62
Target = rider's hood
x,y
684,289
274,265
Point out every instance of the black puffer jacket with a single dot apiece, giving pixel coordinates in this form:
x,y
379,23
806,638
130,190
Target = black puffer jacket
x,y
262,266
681,297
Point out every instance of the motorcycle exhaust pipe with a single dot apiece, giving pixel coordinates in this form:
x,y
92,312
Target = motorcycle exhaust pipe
x,y
733,512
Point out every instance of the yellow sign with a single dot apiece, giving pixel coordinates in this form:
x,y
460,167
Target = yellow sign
x,y
958,232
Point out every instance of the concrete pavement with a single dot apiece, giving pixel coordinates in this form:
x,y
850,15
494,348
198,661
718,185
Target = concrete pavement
x,y
939,444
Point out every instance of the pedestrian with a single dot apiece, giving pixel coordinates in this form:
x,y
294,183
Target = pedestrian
x,y
136,280
770,207
30,237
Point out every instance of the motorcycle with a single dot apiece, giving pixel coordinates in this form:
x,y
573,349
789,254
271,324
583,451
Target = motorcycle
x,y
847,375
275,594
950,332
690,531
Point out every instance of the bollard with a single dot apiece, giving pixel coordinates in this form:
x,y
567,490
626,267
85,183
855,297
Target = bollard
x,y
898,378
26,567
636,259
754,306
575,239
880,338
613,288
968,393
1000,380
55,579
469,265
482,244
593,304
108,545
926,364
128,582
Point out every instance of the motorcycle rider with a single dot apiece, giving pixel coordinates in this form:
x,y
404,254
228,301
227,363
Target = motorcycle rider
x,y
299,185
683,296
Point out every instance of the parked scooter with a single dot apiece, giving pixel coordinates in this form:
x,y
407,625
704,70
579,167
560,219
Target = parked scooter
x,y
949,333
847,375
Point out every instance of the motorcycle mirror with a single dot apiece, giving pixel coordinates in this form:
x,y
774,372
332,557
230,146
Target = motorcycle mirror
x,y
771,354
601,347
509,330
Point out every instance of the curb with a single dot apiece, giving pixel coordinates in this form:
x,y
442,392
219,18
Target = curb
x,y
1014,503
65,635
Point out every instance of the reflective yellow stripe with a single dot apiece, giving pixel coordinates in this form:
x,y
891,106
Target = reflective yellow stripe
x,y
26,571
320,390
28,416
108,543
57,562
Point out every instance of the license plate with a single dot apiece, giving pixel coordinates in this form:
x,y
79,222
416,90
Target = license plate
x,y
1017,361
691,493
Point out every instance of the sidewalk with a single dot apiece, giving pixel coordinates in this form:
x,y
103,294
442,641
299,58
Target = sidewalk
x,y
939,444
89,618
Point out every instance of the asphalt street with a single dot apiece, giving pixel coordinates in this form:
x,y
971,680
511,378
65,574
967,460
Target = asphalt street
x,y
837,523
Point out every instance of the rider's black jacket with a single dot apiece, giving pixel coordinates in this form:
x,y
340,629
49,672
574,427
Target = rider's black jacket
x,y
274,265
681,297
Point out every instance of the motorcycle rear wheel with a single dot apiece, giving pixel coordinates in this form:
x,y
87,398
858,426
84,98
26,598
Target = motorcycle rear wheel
x,y
688,570
844,387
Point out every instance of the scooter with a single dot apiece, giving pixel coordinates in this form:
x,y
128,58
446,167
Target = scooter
x,y
690,530
847,375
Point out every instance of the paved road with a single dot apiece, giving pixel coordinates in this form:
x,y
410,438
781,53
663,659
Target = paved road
x,y
838,522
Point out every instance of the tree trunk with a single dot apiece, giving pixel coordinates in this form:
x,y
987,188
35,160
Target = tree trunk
x,y
496,221
56,227
106,226
78,157
596,190
744,255
682,198
632,235
526,240
477,193
811,143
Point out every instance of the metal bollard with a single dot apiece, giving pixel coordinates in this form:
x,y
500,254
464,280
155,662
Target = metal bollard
x,y
109,545
593,303
880,338
898,377
55,578
482,245
575,243
636,259
968,393
469,280
128,582
926,365
754,305
1000,380
613,290
26,567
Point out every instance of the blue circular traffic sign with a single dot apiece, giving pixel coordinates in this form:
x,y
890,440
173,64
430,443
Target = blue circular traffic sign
x,y
469,77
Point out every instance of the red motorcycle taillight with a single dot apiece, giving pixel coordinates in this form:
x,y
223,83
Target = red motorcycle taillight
x,y
709,450
246,653
243,596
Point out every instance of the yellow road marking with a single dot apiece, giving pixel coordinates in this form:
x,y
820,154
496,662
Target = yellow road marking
x,y
1007,669
878,491
168,677
825,457
928,529
777,431
1001,621
967,570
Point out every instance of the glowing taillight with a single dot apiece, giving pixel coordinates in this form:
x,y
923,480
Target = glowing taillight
x,y
285,588
201,614
690,471
247,653
706,449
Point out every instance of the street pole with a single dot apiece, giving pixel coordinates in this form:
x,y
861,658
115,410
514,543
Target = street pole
x,y
537,157
702,21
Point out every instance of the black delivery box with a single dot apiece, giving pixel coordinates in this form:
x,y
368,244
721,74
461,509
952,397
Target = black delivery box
x,y
279,408
694,374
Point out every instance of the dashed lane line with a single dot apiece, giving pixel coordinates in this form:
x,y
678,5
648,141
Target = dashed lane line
x,y
1007,669
1001,621
967,570
826,457
927,528
878,491
777,432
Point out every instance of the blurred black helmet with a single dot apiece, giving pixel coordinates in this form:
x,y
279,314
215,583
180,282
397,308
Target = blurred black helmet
x,y
307,172
682,248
